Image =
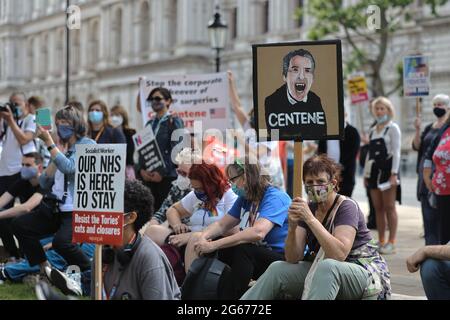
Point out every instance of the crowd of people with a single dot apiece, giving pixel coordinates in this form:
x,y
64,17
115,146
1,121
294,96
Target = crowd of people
x,y
271,244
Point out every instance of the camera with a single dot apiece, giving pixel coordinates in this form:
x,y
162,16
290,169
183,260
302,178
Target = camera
x,y
12,106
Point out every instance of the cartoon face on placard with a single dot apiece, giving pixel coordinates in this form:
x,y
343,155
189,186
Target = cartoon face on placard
x,y
298,90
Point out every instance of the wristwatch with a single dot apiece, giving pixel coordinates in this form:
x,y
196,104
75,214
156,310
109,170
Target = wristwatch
x,y
51,147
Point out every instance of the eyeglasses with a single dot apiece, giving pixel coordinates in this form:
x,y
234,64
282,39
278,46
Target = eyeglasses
x,y
232,180
156,99
26,165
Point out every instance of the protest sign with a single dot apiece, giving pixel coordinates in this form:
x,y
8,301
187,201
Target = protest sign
x,y
99,194
302,94
202,97
148,150
416,76
358,89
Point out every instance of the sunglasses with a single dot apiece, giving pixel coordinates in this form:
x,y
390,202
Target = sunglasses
x,y
156,99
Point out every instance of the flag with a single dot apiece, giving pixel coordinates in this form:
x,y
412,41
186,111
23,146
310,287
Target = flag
x,y
217,113
138,140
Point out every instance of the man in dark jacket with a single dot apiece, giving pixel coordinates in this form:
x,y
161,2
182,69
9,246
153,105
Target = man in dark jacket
x,y
293,108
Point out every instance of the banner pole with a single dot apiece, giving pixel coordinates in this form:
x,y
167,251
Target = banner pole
x,y
98,273
417,106
360,107
298,169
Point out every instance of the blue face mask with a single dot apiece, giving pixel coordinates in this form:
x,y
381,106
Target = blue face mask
x,y
96,116
202,196
28,173
382,119
65,132
19,112
239,191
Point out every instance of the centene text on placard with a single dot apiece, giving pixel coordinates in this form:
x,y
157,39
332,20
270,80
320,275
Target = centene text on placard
x,y
99,193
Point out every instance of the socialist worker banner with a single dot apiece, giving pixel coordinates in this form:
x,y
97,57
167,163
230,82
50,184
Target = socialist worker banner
x,y
202,97
99,193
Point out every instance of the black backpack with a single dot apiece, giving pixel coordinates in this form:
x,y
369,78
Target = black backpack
x,y
205,280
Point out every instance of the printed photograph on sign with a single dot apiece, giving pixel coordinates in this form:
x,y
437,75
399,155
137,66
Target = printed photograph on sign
x,y
202,97
416,76
298,89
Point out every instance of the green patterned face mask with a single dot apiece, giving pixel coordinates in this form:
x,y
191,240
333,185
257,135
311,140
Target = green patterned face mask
x,y
319,193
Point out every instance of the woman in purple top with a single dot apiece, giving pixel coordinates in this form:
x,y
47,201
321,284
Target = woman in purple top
x,y
329,250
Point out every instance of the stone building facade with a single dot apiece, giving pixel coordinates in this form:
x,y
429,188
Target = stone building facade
x,y
121,40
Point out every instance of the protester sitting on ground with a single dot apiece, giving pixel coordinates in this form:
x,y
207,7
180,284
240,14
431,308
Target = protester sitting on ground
x,y
54,214
180,187
342,261
143,269
100,128
261,214
422,140
27,188
119,119
434,264
22,271
266,152
208,202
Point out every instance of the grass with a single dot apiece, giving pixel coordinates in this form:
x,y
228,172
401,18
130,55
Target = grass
x,y
16,291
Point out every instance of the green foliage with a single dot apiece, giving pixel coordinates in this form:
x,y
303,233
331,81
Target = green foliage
x,y
332,19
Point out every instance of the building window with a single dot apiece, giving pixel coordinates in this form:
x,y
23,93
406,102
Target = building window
x,y
144,28
234,24
93,54
117,34
75,52
300,19
44,57
265,17
30,55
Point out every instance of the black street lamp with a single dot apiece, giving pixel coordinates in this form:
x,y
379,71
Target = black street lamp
x,y
217,35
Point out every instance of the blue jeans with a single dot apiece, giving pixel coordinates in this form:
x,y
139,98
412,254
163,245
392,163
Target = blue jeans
x,y
435,276
430,222
17,271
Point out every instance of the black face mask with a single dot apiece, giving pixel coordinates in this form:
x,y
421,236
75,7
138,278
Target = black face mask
x,y
439,112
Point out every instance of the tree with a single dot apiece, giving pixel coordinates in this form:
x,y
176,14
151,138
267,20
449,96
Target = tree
x,y
353,21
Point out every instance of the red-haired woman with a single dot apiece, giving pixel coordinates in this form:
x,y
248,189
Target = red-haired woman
x,y
261,214
211,197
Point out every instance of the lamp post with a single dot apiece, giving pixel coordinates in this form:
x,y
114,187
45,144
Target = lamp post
x,y
217,35
67,52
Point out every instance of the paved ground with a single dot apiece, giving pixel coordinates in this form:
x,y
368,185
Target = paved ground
x,y
408,240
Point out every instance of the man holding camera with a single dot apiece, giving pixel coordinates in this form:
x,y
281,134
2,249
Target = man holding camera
x,y
17,128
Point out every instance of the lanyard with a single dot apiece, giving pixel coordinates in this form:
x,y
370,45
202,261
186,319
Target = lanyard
x,y
252,215
99,134
116,284
164,117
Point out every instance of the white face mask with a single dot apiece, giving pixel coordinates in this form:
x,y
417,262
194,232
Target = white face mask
x,y
183,183
116,121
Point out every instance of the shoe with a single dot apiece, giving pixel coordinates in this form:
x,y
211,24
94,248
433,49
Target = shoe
x,y
68,284
388,248
44,292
